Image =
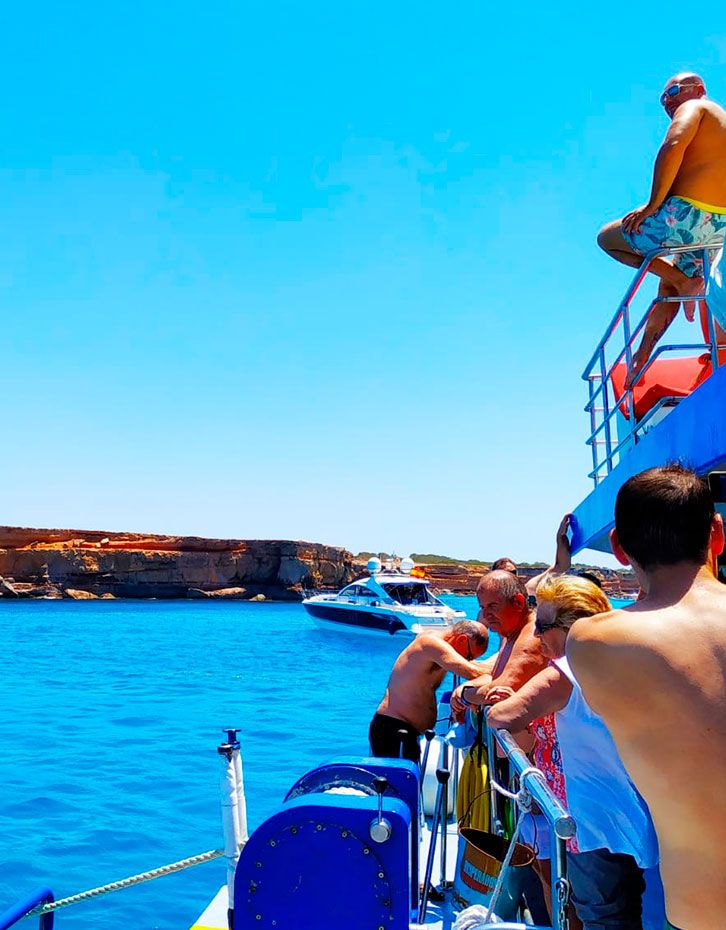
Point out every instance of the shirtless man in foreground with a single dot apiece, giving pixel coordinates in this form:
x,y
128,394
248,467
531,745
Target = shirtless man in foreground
x,y
687,204
656,673
410,700
504,609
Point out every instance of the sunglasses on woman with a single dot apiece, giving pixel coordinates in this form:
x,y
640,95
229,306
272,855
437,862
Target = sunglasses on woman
x,y
540,628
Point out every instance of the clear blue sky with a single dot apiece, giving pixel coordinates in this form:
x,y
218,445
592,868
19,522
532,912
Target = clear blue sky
x,y
321,271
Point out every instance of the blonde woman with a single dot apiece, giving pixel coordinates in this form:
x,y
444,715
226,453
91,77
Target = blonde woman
x,y
615,838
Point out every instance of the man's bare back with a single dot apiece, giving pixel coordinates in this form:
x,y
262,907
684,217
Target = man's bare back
x,y
702,173
656,673
416,674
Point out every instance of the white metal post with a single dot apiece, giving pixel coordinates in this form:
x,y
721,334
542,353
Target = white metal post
x,y
230,811
241,801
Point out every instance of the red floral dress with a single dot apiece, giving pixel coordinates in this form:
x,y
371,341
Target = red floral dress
x,y
547,757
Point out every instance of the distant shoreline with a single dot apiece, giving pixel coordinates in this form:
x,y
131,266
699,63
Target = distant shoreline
x,y
94,564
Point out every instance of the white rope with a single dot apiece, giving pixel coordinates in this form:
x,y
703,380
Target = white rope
x,y
533,770
519,797
523,800
127,882
503,791
502,872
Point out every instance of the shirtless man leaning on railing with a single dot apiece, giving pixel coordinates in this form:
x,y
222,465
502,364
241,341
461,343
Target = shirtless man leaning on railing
x,y
687,205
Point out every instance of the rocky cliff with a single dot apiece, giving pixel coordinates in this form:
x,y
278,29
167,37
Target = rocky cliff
x,y
81,563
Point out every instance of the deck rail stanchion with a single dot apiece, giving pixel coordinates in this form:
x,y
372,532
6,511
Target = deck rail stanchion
x,y
402,734
606,418
444,810
242,831
591,409
455,753
442,776
495,821
233,820
428,736
715,360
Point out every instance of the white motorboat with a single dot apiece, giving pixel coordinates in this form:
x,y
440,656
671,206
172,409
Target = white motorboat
x,y
392,599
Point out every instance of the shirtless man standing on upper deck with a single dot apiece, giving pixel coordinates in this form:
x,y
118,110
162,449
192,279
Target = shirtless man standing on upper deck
x,y
687,204
656,673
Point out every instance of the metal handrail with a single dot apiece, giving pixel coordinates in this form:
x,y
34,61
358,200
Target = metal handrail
x,y
674,347
635,285
667,401
24,906
598,374
562,825
536,785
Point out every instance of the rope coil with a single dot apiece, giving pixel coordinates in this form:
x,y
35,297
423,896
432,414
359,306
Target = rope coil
x,y
127,882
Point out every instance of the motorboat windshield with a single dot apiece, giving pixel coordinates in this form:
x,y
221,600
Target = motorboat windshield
x,y
410,593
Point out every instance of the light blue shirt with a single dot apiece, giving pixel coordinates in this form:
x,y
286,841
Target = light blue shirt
x,y
609,811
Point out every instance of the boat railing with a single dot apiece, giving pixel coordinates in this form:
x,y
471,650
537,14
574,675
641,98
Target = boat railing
x,y
27,905
532,787
607,441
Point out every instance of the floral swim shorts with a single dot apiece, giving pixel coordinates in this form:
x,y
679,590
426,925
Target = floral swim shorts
x,y
680,222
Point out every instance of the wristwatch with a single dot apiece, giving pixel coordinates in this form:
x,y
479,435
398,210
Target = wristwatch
x,y
463,696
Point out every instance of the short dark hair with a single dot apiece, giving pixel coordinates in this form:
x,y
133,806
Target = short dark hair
x,y
478,634
498,565
664,516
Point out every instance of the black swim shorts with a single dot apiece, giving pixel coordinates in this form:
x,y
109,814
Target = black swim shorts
x,y
388,743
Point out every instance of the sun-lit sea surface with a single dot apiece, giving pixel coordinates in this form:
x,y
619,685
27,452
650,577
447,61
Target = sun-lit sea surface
x,y
111,715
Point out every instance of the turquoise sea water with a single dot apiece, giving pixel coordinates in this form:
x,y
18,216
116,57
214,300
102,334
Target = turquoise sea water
x,y
111,715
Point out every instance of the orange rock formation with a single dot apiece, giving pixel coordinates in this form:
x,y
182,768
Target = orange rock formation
x,y
50,563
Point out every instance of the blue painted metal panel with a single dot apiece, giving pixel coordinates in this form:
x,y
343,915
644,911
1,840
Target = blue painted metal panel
x,y
313,864
694,433
359,771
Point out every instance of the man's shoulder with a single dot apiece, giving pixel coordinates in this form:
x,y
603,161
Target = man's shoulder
x,y
627,641
707,109
600,628
592,638
430,644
